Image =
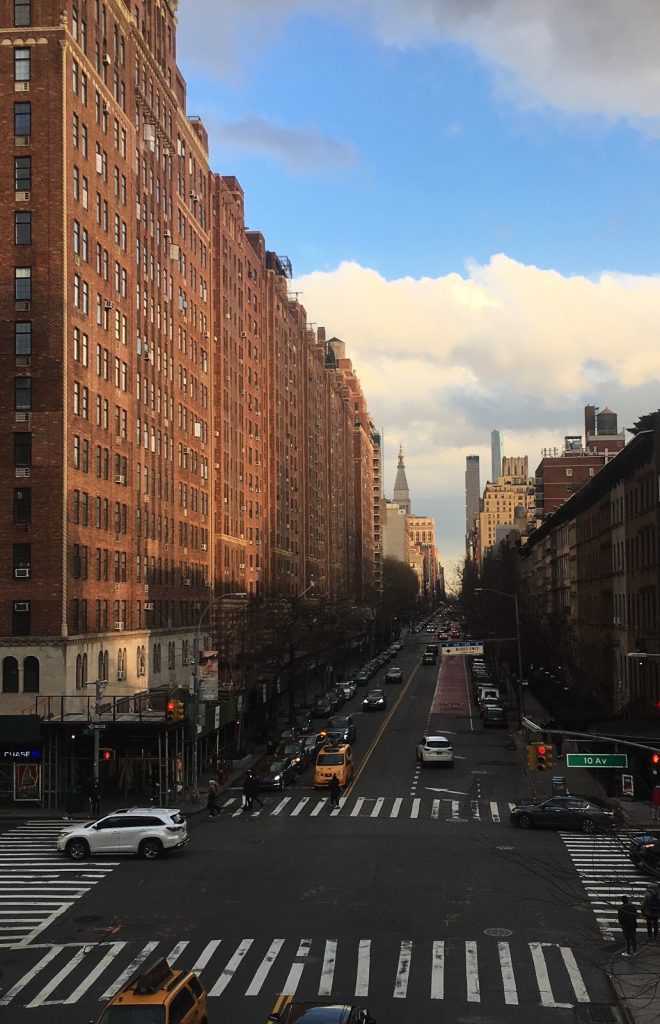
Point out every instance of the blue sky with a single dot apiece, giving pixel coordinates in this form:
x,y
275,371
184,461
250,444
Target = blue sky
x,y
419,140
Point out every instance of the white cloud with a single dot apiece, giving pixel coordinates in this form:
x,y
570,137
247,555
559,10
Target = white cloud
x,y
443,361
575,55
301,149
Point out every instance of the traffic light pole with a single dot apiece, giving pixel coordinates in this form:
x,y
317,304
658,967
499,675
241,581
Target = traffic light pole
x,y
99,685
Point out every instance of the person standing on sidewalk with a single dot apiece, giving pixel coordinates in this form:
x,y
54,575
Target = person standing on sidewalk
x,y
627,915
655,801
651,910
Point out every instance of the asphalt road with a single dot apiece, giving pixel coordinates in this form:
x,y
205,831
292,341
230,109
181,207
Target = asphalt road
x,y
417,900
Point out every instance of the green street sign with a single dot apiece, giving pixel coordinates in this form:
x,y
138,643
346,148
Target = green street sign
x,y
596,760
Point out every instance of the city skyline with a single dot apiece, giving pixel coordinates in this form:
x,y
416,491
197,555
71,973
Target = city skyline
x,y
443,294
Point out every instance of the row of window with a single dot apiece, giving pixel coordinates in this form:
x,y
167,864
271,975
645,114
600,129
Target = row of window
x,y
119,615
81,512
12,673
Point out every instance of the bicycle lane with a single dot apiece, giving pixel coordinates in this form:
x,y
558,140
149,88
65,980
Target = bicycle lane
x,y
451,699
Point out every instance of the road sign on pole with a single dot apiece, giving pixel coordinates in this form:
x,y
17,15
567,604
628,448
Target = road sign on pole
x,y
596,760
463,647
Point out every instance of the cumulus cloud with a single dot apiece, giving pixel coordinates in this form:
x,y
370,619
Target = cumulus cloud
x,y
585,56
505,345
301,149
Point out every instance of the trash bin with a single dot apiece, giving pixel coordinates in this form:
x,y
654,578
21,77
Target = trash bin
x,y
559,785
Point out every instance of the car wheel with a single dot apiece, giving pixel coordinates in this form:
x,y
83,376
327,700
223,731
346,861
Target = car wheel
x,y
77,849
588,826
151,849
524,821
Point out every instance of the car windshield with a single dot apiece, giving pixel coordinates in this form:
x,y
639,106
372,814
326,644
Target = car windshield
x,y
437,744
276,767
329,760
292,748
339,723
375,694
144,1014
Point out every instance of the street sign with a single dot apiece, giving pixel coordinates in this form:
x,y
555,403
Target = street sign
x,y
97,726
596,760
464,647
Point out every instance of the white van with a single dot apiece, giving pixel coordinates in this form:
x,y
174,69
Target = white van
x,y
487,693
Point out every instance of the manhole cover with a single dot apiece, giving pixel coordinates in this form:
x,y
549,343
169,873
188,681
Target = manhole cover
x,y
498,933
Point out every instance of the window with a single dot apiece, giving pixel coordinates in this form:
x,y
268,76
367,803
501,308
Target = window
x,y
22,13
21,64
22,504
23,227
23,338
22,394
21,560
22,284
9,675
22,173
20,618
569,471
22,118
31,675
22,451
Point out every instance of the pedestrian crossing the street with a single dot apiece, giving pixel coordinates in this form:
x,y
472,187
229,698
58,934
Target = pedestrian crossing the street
x,y
607,874
38,884
438,808
475,971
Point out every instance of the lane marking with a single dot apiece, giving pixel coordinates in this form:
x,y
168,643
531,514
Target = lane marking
x,y
542,977
205,955
319,807
299,806
282,804
23,982
435,809
508,977
231,968
254,988
295,974
396,807
438,970
378,806
358,807
363,965
328,969
414,810
41,999
495,811
131,969
473,992
403,970
454,808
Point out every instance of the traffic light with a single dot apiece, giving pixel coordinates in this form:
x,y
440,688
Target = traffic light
x,y
175,711
531,756
543,756
106,754
655,759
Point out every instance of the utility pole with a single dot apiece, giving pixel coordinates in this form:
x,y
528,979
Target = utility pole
x,y
99,686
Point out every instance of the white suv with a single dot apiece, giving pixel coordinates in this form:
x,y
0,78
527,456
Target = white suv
x,y
147,831
435,750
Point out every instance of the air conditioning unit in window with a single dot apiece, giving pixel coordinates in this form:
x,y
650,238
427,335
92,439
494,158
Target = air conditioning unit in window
x,y
107,60
106,107
148,606
205,547
21,141
21,86
76,260
120,676
23,307
21,472
187,582
120,478
21,606
116,586
22,574
119,626
24,361
22,417
108,304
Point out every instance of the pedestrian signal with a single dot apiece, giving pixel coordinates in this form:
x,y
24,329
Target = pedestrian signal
x,y
175,711
107,754
531,756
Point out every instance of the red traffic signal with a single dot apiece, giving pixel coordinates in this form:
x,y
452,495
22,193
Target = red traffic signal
x,y
655,758
107,753
541,750
175,711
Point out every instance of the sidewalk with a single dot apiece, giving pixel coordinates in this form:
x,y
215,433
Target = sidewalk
x,y
634,982
18,812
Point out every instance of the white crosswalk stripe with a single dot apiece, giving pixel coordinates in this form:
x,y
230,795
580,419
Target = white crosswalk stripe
x,y
422,808
473,971
38,884
607,874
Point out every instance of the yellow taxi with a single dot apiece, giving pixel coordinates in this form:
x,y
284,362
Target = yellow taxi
x,y
334,760
159,995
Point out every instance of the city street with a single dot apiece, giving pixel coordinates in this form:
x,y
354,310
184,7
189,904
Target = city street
x,y
416,899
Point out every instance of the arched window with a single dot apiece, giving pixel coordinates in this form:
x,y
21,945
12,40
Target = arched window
x,y
156,657
84,668
79,672
9,675
99,674
106,666
184,653
31,675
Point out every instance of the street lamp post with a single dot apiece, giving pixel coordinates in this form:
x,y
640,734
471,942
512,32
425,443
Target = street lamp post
x,y
514,597
195,768
99,686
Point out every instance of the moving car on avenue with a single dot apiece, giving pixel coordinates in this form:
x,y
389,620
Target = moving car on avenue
x,y
146,831
587,814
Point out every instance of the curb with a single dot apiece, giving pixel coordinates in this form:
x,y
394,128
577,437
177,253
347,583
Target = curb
x,y
619,998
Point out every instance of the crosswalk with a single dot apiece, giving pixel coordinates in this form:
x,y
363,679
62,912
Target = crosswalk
x,y
435,808
38,884
607,874
474,971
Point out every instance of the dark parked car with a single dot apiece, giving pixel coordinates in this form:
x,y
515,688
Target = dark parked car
x,y
494,716
303,722
288,1012
362,677
428,658
314,743
297,751
394,675
374,701
275,773
588,814
644,852
338,694
322,707
341,729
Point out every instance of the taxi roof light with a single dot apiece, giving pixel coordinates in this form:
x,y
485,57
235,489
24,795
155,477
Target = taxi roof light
x,y
153,978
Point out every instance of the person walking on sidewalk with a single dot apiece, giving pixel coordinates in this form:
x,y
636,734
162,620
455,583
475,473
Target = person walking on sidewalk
x,y
651,910
212,795
627,915
655,801
335,792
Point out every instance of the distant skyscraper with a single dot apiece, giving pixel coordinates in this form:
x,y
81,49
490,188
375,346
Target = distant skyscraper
x,y
472,492
495,455
401,491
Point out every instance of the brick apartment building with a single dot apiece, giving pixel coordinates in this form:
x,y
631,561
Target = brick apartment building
x,y
172,426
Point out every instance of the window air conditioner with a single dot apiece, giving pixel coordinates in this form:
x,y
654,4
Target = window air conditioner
x,y
120,479
22,574
21,606
119,626
187,582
